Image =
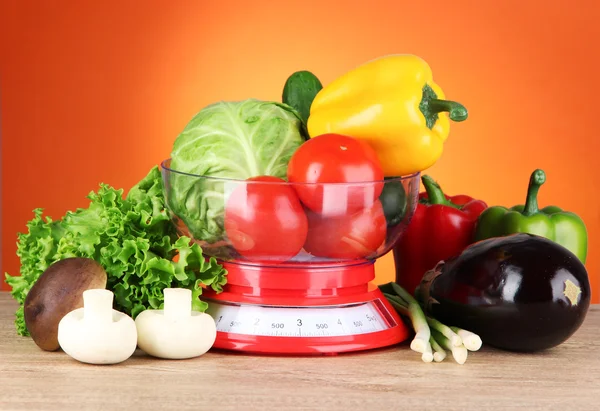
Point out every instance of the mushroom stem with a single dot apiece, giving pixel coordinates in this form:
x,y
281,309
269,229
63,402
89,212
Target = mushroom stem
x,y
178,303
97,306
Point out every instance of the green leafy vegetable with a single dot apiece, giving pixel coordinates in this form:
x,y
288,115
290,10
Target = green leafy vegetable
x,y
132,238
228,140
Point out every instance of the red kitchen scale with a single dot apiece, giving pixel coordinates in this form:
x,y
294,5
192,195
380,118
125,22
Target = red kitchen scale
x,y
311,303
303,310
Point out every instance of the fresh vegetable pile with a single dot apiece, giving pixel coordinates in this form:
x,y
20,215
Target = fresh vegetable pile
x,y
353,225
514,276
133,240
339,205
327,174
258,216
394,105
228,140
441,227
520,292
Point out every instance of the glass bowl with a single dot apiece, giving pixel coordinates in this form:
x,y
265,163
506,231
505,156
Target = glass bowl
x,y
270,221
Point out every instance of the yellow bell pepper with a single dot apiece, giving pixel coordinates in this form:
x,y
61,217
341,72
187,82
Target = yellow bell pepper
x,y
393,104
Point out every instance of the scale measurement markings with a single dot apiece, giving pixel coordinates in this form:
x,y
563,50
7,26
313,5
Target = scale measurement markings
x,y
296,321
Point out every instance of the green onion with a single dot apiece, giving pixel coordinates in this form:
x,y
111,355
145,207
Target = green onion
x,y
470,340
459,353
439,354
432,338
403,305
421,340
446,331
402,293
419,323
428,353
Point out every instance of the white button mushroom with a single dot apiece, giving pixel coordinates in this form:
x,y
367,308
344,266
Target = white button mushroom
x,y
176,332
97,334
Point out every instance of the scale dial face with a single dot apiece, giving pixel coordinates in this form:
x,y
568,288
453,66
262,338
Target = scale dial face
x,y
311,322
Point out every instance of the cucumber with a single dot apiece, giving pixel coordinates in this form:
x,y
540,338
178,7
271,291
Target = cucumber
x,y
394,201
299,92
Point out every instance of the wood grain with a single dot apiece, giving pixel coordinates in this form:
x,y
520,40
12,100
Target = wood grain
x,y
564,378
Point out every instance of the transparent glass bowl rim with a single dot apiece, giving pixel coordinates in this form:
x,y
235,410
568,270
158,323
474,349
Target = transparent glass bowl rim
x,y
165,165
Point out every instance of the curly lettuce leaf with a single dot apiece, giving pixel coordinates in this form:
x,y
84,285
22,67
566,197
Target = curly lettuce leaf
x,y
131,237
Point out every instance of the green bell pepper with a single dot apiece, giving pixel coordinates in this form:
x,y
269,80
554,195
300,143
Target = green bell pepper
x,y
551,222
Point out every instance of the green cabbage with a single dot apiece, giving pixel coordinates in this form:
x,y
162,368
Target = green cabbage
x,y
228,140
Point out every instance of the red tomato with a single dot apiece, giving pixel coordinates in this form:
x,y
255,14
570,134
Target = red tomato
x,y
264,220
347,237
334,158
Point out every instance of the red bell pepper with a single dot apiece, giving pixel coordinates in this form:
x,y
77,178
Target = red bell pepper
x,y
441,227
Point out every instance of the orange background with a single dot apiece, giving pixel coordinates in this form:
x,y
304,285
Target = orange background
x,y
97,91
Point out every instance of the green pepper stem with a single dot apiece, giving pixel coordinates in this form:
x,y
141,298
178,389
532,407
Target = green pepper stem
x,y
435,194
456,111
538,177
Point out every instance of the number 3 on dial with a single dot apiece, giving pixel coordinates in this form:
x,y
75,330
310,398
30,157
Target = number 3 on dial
x,y
299,322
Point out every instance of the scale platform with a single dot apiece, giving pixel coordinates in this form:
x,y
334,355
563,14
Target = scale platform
x,y
303,310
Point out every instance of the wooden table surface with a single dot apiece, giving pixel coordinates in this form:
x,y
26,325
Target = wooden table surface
x,y
564,378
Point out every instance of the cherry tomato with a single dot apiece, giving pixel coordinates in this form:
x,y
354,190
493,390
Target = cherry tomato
x,y
353,236
334,158
264,220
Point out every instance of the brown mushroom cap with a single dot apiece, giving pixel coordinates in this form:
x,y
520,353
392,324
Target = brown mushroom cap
x,y
58,291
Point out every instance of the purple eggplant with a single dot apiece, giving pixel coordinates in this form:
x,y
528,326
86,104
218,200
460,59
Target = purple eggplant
x,y
521,292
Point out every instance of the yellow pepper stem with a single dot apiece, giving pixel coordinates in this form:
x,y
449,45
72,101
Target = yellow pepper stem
x,y
431,106
456,111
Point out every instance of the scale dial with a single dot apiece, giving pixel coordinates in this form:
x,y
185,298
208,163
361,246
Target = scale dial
x,y
277,321
303,310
